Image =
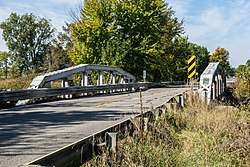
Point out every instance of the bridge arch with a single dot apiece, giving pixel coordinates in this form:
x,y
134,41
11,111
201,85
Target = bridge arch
x,y
43,81
213,82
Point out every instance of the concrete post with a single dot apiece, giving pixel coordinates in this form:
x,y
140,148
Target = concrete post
x,y
181,101
111,141
145,121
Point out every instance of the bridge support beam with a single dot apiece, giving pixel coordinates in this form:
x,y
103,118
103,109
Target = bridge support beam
x,y
222,86
65,83
113,81
84,81
214,91
219,86
113,78
100,78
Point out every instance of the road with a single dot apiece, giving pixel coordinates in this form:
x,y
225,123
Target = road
x,y
29,132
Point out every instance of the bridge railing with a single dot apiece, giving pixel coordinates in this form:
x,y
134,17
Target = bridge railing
x,y
12,96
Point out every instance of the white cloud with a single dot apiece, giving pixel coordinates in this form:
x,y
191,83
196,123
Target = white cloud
x,y
226,25
181,6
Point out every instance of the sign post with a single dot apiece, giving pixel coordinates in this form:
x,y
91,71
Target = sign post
x,y
191,67
191,73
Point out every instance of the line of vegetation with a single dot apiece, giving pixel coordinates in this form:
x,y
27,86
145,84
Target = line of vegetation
x,y
242,87
198,135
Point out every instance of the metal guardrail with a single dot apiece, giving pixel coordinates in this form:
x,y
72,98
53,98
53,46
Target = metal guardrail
x,y
79,152
12,96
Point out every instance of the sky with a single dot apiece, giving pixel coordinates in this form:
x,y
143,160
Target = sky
x,y
210,23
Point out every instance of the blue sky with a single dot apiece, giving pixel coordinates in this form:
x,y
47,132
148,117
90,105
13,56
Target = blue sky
x,y
213,23
210,23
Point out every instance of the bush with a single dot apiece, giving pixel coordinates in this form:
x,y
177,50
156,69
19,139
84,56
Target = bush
x,y
16,83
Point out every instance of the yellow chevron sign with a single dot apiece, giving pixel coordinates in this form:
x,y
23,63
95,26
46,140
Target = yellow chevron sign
x,y
191,66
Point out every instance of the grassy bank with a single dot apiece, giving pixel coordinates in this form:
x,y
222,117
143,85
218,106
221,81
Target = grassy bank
x,y
16,83
199,135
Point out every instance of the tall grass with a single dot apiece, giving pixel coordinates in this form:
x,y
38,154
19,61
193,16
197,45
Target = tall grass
x,y
198,135
16,83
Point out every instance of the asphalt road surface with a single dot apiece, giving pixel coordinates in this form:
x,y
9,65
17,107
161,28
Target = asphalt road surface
x,y
30,132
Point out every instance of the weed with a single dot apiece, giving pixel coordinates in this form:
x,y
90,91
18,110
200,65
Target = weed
x,y
198,135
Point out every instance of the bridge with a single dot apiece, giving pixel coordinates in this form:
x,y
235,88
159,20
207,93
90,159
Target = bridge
x,y
40,133
213,82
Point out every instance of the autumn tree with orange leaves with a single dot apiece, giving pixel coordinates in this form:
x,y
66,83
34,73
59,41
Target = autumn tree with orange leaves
x,y
221,55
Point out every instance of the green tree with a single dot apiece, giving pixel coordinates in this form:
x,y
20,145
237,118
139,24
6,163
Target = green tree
x,y
133,35
181,51
4,62
202,58
221,55
231,71
57,57
27,38
243,75
248,63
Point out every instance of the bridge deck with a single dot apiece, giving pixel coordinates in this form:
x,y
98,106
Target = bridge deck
x,y
33,131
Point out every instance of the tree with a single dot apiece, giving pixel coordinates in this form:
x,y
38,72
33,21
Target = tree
x,y
231,72
202,58
248,63
221,55
4,62
243,75
176,62
27,38
133,35
57,57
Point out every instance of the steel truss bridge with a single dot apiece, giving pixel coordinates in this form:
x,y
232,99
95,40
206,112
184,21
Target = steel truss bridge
x,y
52,133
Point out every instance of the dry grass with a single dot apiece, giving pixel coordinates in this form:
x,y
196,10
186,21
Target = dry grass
x,y
16,83
214,136
199,135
